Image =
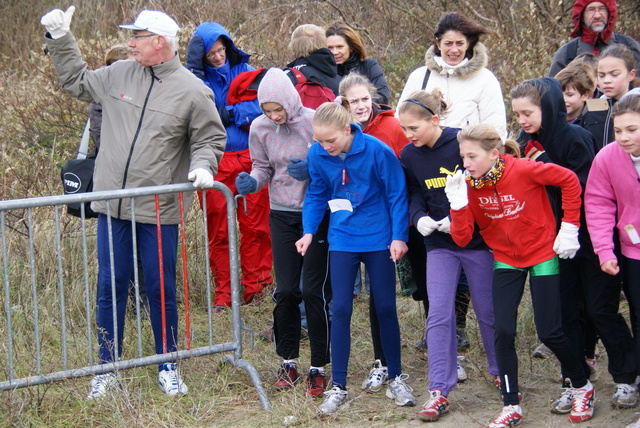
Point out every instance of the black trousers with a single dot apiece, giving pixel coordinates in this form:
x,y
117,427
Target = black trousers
x,y
589,294
286,229
508,287
631,276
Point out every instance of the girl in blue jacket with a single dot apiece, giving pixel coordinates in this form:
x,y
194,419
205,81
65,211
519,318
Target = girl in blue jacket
x,y
361,180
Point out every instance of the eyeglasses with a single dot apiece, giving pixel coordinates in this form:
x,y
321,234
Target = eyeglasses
x,y
601,9
133,36
219,52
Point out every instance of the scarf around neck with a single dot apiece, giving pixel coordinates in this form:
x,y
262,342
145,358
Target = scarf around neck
x,y
490,178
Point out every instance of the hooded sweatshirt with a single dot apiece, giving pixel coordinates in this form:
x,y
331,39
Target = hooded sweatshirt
x,y
565,144
239,116
472,92
319,66
586,40
272,146
426,169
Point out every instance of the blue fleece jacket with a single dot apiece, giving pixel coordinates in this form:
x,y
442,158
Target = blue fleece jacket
x,y
238,117
371,178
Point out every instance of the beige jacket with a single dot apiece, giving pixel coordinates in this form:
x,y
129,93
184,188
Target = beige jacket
x,y
158,123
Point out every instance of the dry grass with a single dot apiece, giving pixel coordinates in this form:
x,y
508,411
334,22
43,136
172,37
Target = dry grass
x,y
220,394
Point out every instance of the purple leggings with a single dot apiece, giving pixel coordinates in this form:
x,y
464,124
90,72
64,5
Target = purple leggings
x,y
443,271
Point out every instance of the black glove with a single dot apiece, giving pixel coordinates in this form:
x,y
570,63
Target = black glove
x,y
226,116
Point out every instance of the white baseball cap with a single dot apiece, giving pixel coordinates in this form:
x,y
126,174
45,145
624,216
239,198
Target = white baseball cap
x,y
156,22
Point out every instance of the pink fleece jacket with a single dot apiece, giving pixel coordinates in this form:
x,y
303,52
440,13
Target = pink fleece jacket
x,y
612,199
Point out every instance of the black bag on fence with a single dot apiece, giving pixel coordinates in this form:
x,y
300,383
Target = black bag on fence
x,y
77,177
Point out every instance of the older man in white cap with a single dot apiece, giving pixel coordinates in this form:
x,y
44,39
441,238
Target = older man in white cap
x,y
160,126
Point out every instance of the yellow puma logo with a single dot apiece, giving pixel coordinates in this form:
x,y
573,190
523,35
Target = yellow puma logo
x,y
446,171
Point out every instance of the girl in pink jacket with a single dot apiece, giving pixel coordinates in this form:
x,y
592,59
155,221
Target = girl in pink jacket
x,y
612,201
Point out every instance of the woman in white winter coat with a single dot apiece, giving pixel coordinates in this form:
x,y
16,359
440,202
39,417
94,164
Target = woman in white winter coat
x,y
456,64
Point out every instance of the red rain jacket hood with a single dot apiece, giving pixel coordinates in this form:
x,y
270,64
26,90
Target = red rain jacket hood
x,y
587,35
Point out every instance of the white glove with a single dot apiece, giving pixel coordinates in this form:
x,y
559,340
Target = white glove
x,y
426,225
444,225
201,178
566,244
456,190
58,22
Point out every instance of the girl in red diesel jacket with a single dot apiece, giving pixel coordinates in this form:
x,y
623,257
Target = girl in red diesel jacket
x,y
506,197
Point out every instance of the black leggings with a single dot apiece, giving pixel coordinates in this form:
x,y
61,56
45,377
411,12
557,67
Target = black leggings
x,y
589,294
508,287
631,283
286,229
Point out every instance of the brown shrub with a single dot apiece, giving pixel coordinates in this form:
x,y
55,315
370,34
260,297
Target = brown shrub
x,y
39,116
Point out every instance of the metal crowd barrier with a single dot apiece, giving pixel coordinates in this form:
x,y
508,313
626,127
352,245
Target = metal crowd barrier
x,y
21,316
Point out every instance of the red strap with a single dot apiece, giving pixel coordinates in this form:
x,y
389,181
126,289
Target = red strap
x,y
300,78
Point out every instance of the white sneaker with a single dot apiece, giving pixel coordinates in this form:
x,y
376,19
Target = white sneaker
x,y
335,398
462,374
377,377
626,396
511,416
101,384
583,403
170,381
401,392
636,424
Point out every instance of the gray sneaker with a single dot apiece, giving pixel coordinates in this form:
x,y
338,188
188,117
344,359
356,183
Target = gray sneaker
x,y
377,377
401,392
460,371
542,351
626,396
334,398
562,405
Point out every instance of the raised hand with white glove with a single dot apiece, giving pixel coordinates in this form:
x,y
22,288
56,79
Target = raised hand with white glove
x,y
566,244
58,22
444,225
246,183
456,190
426,225
201,178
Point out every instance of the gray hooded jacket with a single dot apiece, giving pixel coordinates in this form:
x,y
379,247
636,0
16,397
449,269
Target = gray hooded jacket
x,y
272,146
